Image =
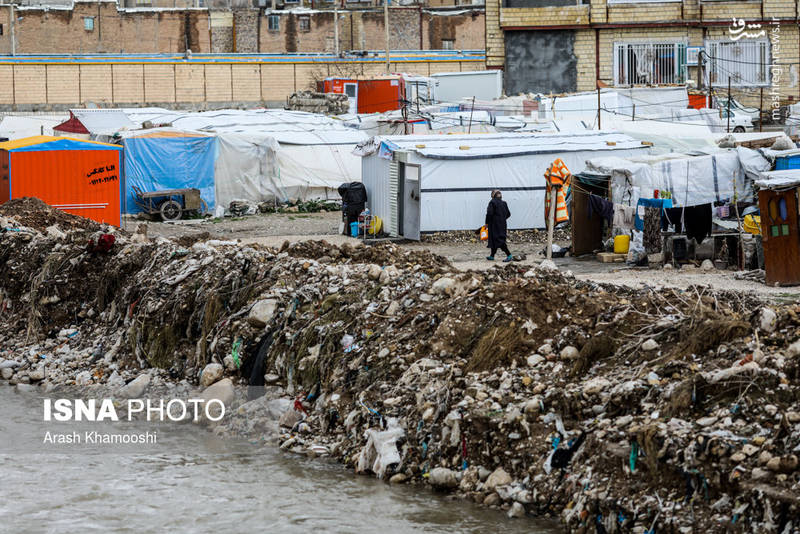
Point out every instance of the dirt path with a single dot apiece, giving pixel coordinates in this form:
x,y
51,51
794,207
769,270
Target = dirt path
x,y
464,253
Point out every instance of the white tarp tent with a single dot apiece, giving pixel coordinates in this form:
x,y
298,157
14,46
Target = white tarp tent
x,y
246,169
19,126
439,183
313,154
692,180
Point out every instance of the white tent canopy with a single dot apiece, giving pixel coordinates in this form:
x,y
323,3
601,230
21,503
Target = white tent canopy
x,y
692,180
265,154
453,175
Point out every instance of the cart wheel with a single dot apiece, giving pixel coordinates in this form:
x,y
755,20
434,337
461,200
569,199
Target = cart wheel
x,y
203,211
170,210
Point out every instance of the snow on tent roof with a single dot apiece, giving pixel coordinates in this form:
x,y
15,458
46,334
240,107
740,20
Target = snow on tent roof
x,y
777,180
483,146
103,121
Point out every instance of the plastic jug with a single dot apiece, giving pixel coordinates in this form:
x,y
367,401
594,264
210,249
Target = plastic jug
x,y
621,244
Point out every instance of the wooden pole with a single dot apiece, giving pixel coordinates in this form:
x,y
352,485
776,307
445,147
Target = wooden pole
x,y
471,111
552,221
740,251
598,109
729,104
761,111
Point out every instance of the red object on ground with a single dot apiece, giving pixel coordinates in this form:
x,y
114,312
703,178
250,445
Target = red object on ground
x,y
372,96
697,101
104,243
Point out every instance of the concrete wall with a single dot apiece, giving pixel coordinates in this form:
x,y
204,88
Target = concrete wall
x,y
25,87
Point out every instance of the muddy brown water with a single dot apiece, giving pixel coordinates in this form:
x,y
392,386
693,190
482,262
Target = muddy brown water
x,y
190,481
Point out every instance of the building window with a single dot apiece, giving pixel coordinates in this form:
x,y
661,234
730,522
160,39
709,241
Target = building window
x,y
746,62
304,23
1,29
274,23
447,44
291,1
649,63
88,24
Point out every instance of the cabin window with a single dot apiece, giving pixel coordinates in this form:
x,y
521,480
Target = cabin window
x,y
304,23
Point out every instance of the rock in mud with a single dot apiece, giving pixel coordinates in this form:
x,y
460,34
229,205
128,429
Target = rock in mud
x,y
499,477
442,478
211,373
262,312
135,388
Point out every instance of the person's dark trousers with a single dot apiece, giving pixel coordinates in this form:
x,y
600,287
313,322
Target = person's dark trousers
x,y
504,249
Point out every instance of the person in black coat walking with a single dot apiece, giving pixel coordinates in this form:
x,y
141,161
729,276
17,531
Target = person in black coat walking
x,y
496,214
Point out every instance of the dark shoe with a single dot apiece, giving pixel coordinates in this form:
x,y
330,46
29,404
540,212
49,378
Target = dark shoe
x,y
490,258
508,258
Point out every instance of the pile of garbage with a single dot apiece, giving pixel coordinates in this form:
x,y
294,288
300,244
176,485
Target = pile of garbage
x,y
240,208
312,102
617,410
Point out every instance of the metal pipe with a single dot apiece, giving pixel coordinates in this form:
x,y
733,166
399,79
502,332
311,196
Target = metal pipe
x,y
386,26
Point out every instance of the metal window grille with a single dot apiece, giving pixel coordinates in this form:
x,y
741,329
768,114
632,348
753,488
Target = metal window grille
x,y
274,23
304,24
745,61
447,44
649,63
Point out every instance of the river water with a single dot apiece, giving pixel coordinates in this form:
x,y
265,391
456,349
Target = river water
x,y
194,482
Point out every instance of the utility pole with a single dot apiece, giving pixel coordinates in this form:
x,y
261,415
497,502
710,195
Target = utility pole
x,y
598,108
729,104
386,26
471,111
336,29
13,30
760,110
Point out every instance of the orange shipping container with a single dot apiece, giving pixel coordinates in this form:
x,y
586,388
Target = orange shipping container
x,y
73,175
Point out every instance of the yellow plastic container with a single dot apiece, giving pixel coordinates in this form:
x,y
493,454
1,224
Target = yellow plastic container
x,y
752,224
621,244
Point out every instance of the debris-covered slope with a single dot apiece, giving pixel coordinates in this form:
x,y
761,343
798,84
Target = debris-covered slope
x,y
619,410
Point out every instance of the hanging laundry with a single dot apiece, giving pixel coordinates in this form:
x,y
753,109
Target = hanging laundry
x,y
602,207
558,175
652,230
649,203
697,220
624,216
673,216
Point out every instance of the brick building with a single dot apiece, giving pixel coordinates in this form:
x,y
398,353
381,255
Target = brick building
x,y
555,46
104,27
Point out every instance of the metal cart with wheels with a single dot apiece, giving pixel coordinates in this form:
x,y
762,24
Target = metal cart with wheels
x,y
171,204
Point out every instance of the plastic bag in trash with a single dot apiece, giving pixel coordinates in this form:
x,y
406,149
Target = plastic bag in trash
x,y
380,452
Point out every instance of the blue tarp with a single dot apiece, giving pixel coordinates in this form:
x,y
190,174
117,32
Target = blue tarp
x,y
156,163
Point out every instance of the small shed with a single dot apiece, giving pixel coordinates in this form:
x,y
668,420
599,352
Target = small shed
x,y
436,183
778,201
77,176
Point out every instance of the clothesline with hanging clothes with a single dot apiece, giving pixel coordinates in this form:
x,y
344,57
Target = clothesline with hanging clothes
x,y
557,175
695,220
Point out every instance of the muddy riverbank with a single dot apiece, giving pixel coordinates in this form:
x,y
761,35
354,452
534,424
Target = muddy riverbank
x,y
519,388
